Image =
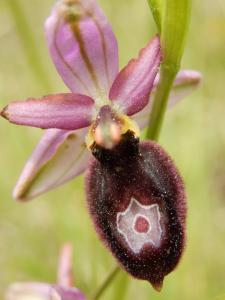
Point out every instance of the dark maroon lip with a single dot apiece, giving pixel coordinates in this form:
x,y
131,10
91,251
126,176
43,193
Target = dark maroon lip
x,y
138,179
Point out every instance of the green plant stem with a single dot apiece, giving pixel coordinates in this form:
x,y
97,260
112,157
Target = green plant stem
x,y
106,283
156,8
173,17
160,103
27,39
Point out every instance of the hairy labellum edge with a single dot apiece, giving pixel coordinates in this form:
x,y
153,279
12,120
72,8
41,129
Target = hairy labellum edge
x,y
139,211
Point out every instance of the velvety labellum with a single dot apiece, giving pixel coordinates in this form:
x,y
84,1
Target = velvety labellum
x,y
137,201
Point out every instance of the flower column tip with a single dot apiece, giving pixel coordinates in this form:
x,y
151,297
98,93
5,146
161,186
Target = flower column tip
x,y
3,112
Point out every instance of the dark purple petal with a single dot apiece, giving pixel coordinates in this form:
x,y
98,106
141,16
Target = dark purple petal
x,y
62,111
137,201
185,83
59,157
131,88
83,47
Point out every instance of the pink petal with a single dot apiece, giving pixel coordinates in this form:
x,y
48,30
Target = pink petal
x,y
62,111
59,157
185,83
65,273
67,293
83,47
131,88
28,290
42,291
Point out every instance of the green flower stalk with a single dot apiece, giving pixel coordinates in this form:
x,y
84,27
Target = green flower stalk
x,y
172,19
156,8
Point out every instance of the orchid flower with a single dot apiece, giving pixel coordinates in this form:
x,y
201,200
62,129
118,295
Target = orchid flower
x,y
103,104
45,291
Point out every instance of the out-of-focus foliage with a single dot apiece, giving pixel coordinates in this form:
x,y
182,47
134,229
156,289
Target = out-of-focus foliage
x,y
193,133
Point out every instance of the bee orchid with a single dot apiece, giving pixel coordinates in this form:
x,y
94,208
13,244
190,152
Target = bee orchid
x,y
85,53
135,193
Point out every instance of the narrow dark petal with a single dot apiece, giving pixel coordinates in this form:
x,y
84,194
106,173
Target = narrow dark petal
x,y
132,86
137,201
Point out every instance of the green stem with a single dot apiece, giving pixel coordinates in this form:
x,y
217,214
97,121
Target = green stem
x,y
156,8
174,17
30,47
160,103
106,283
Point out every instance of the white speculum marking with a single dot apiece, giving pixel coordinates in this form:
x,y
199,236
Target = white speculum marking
x,y
140,225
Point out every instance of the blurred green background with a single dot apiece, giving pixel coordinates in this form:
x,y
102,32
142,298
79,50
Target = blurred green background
x,y
194,134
